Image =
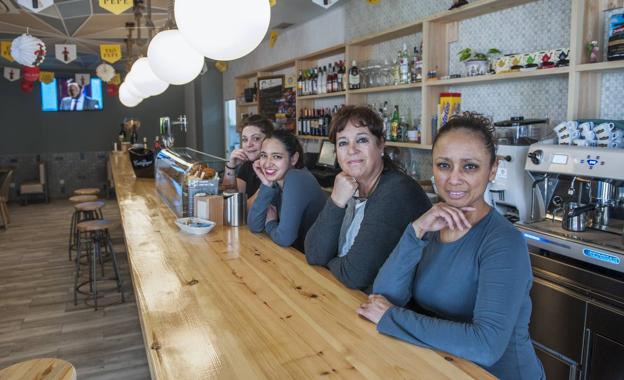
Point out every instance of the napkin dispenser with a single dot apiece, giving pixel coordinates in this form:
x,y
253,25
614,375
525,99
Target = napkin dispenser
x,y
209,207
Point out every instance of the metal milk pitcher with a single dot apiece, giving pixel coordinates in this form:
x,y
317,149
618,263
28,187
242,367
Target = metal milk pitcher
x,y
234,209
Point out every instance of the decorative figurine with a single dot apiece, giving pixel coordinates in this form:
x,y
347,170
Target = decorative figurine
x,y
458,3
563,59
593,50
546,63
530,64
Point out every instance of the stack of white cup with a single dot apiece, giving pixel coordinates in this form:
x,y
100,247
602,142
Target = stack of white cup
x,y
589,134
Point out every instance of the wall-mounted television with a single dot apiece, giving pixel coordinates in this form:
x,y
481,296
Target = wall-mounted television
x,y
65,94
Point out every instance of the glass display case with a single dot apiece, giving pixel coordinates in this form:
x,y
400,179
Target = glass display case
x,y
182,173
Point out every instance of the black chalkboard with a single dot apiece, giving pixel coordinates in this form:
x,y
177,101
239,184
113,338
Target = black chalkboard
x,y
270,95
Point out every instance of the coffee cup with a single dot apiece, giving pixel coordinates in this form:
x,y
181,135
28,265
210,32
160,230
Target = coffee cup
x,y
561,127
580,142
604,128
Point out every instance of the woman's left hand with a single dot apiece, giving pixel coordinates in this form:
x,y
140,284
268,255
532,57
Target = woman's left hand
x,y
374,308
271,214
257,167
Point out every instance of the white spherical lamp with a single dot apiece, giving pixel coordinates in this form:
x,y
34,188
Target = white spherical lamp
x,y
223,30
126,98
144,79
172,59
132,89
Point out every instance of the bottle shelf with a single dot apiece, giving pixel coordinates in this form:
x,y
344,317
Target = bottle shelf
x,y
601,66
321,96
475,9
252,104
497,77
372,90
412,145
306,137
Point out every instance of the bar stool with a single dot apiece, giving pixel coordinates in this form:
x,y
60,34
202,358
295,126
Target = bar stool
x,y
77,199
87,191
83,211
44,369
98,237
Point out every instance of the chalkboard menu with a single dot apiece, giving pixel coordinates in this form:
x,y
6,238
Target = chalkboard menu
x,y
270,95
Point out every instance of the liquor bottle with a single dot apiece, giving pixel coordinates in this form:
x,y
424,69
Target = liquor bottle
x,y
386,121
300,123
255,92
345,76
327,122
394,124
416,66
354,76
330,78
339,78
306,82
396,72
323,80
300,83
157,146
134,137
404,65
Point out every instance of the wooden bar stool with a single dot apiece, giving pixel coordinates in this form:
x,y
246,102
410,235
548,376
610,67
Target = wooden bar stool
x,y
97,235
87,191
83,211
83,198
40,369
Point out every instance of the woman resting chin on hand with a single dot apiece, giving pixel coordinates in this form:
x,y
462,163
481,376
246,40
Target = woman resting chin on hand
x,y
465,267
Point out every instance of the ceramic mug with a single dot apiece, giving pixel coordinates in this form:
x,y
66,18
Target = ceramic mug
x,y
561,127
603,128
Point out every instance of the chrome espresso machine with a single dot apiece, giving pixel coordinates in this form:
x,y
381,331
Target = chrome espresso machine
x,y
576,246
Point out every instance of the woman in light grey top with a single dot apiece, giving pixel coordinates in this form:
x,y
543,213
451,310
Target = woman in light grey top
x,y
289,198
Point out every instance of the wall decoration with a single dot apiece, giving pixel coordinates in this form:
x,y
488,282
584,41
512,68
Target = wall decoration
x,y
105,72
30,74
46,77
83,79
65,53
110,53
116,6
221,66
12,74
116,79
112,89
35,5
5,50
28,50
273,38
27,86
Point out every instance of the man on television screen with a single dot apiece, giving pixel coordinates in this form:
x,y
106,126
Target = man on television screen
x,y
77,99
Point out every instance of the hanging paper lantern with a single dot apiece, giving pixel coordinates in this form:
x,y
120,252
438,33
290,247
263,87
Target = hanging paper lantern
x,y
129,81
105,72
26,86
144,79
112,89
28,50
30,74
208,26
125,98
172,59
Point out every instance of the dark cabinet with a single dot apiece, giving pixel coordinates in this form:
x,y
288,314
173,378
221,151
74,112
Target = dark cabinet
x,y
606,344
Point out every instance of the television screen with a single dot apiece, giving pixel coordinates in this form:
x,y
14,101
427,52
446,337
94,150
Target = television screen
x,y
327,157
65,94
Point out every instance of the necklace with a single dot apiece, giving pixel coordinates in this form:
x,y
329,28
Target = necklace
x,y
372,190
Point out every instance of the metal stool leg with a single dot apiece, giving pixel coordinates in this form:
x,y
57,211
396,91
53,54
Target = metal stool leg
x,y
77,275
96,252
72,227
115,268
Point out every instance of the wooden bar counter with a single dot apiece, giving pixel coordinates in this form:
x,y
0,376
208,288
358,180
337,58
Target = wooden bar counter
x,y
233,305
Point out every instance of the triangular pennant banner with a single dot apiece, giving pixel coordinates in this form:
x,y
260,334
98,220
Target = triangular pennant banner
x,y
46,77
65,53
116,6
83,79
116,80
221,66
11,73
110,53
5,47
35,5
273,39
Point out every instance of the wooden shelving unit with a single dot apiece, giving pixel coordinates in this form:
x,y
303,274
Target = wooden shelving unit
x,y
584,78
306,137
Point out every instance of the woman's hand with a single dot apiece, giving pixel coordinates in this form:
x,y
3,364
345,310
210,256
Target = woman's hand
x,y
344,188
257,167
271,214
374,308
237,157
442,215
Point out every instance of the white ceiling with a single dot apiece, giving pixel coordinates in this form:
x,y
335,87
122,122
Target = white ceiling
x,y
84,23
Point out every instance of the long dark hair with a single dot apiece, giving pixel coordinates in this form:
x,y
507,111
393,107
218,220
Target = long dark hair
x,y
291,144
360,116
474,123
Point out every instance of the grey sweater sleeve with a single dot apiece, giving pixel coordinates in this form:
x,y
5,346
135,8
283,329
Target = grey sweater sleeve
x,y
397,201
256,217
321,242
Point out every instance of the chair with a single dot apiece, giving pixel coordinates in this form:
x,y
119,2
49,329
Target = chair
x,y
4,199
39,186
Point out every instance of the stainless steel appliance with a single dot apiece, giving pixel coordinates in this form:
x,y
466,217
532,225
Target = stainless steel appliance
x,y
234,209
182,173
577,253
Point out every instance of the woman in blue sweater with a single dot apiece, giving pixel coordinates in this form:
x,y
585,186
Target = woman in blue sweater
x,y
463,266
289,198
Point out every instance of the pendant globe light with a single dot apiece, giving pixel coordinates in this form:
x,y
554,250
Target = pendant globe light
x,y
126,98
132,89
144,79
223,30
172,59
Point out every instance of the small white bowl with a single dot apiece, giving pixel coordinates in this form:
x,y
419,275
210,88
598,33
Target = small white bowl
x,y
195,226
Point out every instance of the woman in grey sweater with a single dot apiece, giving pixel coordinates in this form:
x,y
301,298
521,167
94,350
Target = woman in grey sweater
x,y
289,198
370,205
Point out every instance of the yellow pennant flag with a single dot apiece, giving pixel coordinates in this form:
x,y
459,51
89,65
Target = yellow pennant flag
x,y
272,2
116,79
116,6
6,50
46,76
374,2
221,66
273,39
110,53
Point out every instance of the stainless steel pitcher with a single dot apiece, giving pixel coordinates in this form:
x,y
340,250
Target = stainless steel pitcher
x,y
234,209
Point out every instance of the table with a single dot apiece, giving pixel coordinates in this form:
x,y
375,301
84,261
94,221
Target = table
x,y
232,304
40,369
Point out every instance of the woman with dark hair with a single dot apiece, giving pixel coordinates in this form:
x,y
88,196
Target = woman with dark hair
x,y
289,198
239,173
463,266
370,205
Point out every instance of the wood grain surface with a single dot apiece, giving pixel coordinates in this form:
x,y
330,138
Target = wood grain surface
x,y
232,304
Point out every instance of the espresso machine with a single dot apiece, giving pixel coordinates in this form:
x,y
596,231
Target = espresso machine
x,y
577,255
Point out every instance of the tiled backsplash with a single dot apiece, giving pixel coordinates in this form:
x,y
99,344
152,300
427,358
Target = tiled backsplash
x,y
75,169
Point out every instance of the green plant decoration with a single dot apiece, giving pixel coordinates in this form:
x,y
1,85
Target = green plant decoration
x,y
468,54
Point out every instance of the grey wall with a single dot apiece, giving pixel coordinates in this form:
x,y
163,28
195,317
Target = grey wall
x,y
211,106
24,128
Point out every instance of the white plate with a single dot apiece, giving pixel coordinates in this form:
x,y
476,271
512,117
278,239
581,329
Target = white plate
x,y
195,226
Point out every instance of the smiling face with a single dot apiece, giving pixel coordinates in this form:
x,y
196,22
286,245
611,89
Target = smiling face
x,y
359,152
275,161
462,169
252,138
